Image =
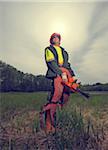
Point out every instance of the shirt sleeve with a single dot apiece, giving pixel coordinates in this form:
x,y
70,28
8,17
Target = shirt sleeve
x,y
70,69
68,65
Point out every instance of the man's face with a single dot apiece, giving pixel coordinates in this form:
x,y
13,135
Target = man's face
x,y
56,40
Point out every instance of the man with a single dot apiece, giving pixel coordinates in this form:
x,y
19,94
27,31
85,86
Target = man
x,y
56,59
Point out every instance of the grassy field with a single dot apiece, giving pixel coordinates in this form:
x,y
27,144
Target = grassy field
x,y
82,118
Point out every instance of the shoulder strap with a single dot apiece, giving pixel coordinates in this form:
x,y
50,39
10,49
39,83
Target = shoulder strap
x,y
50,48
53,50
62,48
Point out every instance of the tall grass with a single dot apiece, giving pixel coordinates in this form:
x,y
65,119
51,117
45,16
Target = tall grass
x,y
78,125
73,134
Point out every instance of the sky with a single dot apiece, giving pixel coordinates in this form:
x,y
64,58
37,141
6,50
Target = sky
x,y
25,29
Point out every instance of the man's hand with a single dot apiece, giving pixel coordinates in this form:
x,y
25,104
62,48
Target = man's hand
x,y
64,77
75,79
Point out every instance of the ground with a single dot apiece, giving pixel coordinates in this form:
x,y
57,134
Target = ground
x,y
19,127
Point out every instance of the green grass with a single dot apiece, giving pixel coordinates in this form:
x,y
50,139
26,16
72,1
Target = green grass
x,y
17,101
22,100
36,99
13,102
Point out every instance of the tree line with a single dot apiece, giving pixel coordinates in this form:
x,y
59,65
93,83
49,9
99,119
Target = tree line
x,y
12,79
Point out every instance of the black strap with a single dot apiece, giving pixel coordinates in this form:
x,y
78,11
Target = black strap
x,y
54,103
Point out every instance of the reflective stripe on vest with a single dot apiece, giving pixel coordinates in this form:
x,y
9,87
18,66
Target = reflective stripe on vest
x,y
49,55
60,55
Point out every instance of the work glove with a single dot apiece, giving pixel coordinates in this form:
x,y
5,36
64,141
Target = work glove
x,y
74,78
77,80
64,77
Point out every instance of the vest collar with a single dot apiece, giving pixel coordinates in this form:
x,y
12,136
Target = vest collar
x,y
54,47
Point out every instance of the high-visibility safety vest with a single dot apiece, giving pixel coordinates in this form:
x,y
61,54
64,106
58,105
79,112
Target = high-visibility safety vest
x,y
50,55
55,57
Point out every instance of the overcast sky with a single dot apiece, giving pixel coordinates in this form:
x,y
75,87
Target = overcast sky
x,y
25,29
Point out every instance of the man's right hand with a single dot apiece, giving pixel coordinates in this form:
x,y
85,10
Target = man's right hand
x,y
64,77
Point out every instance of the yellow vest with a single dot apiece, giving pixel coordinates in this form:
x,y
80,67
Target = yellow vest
x,y
50,55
